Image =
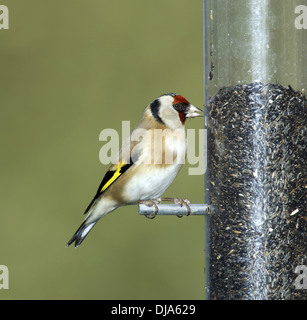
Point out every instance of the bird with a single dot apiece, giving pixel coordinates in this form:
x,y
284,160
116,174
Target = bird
x,y
147,163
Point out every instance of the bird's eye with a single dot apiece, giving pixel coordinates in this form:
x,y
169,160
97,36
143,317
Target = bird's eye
x,y
180,107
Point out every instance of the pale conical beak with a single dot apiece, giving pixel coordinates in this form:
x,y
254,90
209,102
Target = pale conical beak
x,y
194,112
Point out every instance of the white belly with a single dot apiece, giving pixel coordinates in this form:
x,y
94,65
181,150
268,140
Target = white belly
x,y
152,177
151,182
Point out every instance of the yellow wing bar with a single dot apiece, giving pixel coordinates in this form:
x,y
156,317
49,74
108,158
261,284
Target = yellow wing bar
x,y
109,178
115,175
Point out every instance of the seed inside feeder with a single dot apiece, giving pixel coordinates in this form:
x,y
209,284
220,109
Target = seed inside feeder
x,y
258,178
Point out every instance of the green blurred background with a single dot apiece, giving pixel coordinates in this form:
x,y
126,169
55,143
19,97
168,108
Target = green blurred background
x,y
70,69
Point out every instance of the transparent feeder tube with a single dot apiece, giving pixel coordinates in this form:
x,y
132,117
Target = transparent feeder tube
x,y
255,76
254,40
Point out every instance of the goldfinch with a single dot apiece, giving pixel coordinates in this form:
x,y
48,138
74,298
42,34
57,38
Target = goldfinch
x,y
147,163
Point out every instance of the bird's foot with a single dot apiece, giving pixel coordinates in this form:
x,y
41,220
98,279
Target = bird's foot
x,y
151,203
181,202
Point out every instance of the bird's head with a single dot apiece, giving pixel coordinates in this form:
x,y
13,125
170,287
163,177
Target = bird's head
x,y
172,110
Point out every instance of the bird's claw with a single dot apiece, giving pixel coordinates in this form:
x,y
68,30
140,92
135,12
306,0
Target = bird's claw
x,y
181,202
151,203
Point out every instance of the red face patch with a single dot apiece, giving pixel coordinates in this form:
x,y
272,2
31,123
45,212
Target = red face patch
x,y
182,117
180,99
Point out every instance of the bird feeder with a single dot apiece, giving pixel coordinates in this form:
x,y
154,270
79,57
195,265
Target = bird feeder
x,y
255,76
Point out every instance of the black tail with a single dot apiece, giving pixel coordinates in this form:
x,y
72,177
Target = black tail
x,y
81,233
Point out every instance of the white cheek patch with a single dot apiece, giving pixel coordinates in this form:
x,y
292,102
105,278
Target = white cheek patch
x,y
170,117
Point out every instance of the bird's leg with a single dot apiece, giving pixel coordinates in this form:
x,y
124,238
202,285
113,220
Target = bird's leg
x,y
151,203
181,202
